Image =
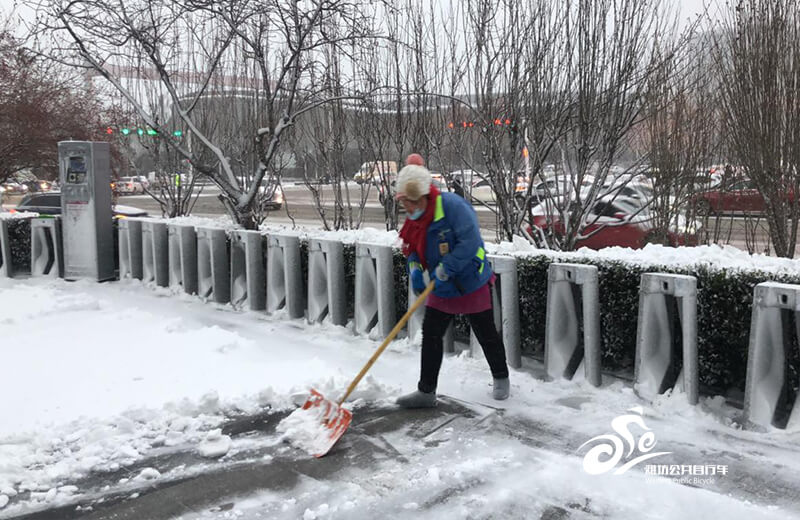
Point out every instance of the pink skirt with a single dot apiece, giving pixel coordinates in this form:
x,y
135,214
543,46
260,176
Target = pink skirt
x,y
477,301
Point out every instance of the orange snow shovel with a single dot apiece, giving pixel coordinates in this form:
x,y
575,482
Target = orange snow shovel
x,y
336,419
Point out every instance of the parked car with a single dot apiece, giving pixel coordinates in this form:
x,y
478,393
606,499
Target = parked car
x,y
557,187
621,221
271,196
461,181
36,185
733,195
373,171
50,204
129,186
15,188
141,179
482,191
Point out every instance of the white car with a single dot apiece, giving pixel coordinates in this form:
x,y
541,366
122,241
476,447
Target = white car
x,y
271,196
129,186
482,191
143,181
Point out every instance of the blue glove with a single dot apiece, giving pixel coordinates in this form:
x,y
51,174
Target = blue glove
x,y
441,273
417,281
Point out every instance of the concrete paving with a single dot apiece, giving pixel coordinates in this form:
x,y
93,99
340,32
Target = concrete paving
x,y
199,484
204,483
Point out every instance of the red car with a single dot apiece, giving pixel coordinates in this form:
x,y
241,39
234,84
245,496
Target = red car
x,y
738,195
621,222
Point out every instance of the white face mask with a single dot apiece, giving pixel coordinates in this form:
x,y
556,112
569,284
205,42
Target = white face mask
x,y
417,213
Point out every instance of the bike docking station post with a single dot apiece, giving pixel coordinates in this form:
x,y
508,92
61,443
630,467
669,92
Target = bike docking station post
x,y
130,248
285,276
505,307
326,286
572,326
85,178
666,336
213,275
374,297
773,332
182,257
47,256
6,266
248,272
155,253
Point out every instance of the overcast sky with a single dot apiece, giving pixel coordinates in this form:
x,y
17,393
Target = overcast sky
x,y
688,7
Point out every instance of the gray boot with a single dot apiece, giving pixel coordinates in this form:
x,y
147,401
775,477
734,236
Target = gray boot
x,y
502,388
417,399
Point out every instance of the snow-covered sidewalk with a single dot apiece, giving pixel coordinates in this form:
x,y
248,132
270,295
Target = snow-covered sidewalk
x,y
101,377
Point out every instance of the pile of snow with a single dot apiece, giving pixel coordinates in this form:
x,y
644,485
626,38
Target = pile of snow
x,y
11,215
364,235
711,256
221,222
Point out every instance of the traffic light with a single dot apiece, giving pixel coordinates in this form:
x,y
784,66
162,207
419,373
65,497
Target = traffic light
x,y
471,124
126,131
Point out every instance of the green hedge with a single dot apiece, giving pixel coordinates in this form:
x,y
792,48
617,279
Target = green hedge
x,y
724,305
19,236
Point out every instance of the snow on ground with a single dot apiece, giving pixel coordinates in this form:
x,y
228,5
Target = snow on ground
x,y
98,376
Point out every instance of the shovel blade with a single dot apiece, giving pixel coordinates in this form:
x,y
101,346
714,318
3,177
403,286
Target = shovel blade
x,y
333,417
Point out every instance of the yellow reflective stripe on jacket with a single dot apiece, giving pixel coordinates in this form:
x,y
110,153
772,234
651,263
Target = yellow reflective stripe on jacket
x,y
439,213
414,265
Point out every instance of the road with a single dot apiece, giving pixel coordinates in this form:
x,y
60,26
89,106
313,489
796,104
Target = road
x,y
300,205
744,233
749,234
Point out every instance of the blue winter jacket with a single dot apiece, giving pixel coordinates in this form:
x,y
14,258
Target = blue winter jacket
x,y
454,240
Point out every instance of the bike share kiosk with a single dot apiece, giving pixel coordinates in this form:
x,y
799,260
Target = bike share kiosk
x,y
85,177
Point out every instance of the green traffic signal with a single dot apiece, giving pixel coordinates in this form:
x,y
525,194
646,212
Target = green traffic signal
x,y
141,131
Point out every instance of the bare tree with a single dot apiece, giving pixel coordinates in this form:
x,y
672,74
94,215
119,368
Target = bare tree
x,y
257,52
759,58
680,137
618,46
328,131
41,103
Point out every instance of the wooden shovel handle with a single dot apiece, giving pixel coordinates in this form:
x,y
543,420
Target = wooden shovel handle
x,y
388,340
